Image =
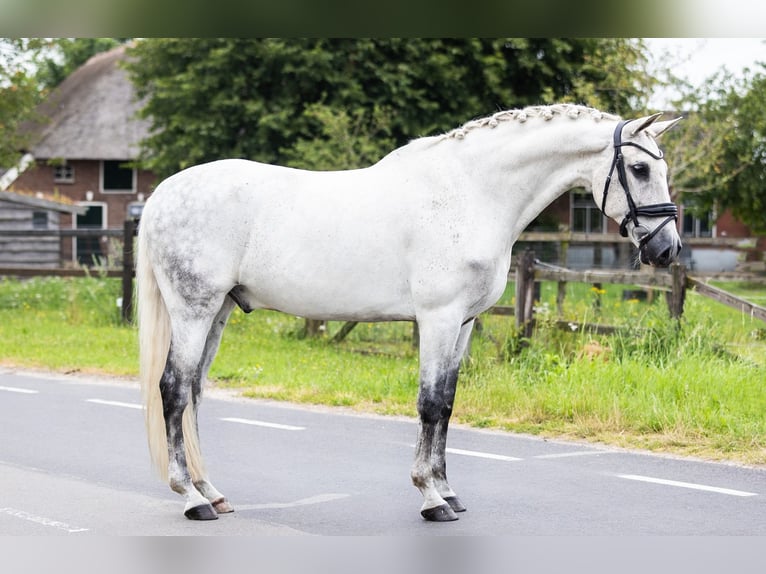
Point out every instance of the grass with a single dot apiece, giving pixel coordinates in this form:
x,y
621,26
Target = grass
x,y
694,387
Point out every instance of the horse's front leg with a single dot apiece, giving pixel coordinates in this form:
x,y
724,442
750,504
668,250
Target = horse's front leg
x,y
440,436
438,340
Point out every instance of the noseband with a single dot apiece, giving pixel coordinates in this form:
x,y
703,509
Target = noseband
x,y
655,210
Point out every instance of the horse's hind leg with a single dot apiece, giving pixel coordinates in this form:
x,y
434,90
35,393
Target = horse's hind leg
x,y
181,377
203,484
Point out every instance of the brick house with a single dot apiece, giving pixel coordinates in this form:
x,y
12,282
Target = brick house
x,y
82,149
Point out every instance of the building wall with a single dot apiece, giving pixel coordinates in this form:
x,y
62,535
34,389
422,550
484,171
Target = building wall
x,y
727,226
84,189
23,250
86,178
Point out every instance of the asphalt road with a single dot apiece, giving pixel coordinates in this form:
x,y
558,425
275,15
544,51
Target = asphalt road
x,y
73,461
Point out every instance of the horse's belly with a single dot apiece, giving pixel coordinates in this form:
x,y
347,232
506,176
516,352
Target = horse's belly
x,y
319,293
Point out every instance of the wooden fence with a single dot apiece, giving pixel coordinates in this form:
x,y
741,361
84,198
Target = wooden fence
x,y
674,282
125,271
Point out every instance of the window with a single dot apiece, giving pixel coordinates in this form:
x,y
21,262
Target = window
x,y
63,173
586,216
39,220
693,226
117,178
87,250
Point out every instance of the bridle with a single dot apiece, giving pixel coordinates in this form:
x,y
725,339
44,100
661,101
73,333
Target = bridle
x,y
634,211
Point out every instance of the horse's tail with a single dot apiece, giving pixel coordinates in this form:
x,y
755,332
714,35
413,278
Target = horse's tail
x,y
153,346
154,331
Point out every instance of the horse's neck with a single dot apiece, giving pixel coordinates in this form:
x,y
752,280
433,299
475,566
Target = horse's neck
x,y
525,168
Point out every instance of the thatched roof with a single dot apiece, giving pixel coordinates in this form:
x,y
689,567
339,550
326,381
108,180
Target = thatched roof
x,y
91,114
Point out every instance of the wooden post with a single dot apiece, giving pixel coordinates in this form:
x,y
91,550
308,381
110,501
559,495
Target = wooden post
x,y
347,327
677,294
564,254
128,270
525,293
597,288
313,328
561,292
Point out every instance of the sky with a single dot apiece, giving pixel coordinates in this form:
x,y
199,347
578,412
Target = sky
x,y
696,59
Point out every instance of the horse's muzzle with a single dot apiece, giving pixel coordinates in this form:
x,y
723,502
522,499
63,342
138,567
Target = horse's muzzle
x,y
661,250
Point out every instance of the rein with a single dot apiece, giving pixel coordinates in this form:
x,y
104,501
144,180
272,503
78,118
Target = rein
x,y
655,210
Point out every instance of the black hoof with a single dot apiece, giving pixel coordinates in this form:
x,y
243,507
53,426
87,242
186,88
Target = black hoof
x,y
455,503
201,512
441,513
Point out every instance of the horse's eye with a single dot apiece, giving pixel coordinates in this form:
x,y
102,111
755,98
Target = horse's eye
x,y
640,170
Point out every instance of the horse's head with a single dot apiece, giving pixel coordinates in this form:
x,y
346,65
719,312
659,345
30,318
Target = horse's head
x,y
634,191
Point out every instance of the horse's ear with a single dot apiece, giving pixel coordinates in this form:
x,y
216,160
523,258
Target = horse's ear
x,y
646,122
660,128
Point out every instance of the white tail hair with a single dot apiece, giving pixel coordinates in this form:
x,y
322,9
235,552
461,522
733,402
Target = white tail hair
x,y
154,332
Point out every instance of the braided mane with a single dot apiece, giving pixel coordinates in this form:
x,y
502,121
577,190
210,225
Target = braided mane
x,y
572,111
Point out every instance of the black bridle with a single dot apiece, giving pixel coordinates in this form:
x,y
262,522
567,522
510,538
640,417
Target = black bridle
x,y
634,211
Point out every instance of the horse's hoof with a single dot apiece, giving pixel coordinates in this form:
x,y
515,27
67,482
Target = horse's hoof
x,y
455,503
222,506
442,513
201,512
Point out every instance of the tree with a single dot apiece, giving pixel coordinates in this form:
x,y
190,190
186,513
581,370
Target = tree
x,y
343,141
718,159
19,94
258,98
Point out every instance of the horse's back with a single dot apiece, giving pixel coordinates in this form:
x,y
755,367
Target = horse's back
x,y
310,243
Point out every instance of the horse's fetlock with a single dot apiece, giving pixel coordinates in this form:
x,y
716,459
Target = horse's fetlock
x,y
178,486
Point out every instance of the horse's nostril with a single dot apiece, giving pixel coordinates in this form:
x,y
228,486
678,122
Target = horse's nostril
x,y
665,257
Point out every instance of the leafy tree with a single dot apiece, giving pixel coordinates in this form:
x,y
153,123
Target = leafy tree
x,y
18,95
267,99
718,159
343,140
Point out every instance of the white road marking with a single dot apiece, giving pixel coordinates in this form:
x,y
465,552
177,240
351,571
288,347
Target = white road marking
x,y
18,390
41,520
479,454
115,403
691,485
318,499
572,453
262,424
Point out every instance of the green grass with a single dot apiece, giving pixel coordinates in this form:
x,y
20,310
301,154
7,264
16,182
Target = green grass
x,y
694,387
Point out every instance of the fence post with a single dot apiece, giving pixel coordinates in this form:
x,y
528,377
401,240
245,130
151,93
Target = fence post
x,y
677,295
561,291
525,293
128,270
